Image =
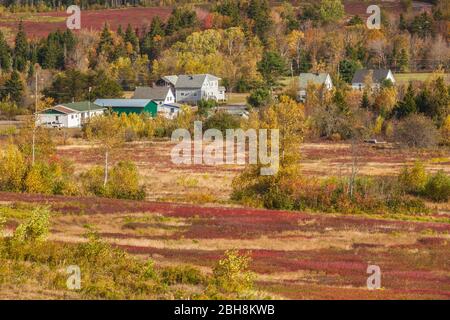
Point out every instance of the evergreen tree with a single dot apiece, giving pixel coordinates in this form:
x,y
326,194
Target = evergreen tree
x,y
365,102
408,105
271,67
402,23
180,19
106,42
403,60
151,43
434,101
21,50
347,69
13,89
120,31
131,37
5,53
157,27
259,12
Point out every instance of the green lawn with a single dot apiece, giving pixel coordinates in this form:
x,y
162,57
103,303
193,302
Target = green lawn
x,y
401,78
237,98
404,78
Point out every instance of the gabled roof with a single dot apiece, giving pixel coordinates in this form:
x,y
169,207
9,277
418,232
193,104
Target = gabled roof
x,y
314,78
152,93
123,103
378,75
82,106
172,105
74,107
171,79
193,81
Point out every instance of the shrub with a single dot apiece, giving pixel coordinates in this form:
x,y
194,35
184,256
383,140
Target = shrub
x,y
92,181
259,97
413,180
123,182
39,179
417,131
54,177
446,131
12,169
35,229
181,275
222,121
231,275
438,187
8,110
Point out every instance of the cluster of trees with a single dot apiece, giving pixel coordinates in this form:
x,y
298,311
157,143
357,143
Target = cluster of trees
x,y
288,189
49,174
249,44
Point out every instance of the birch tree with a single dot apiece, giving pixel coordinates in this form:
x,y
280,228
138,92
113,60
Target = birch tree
x,y
106,133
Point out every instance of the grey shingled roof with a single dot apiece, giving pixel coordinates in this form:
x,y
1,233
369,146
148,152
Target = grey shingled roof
x,y
171,79
152,93
132,103
315,78
378,75
193,81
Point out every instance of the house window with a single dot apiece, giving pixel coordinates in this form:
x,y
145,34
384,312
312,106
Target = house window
x,y
172,110
195,94
57,118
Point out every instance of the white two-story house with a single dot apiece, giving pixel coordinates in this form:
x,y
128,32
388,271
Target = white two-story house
x,y
161,95
193,88
318,79
375,77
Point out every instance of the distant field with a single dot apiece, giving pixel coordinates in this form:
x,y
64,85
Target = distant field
x,y
403,78
41,24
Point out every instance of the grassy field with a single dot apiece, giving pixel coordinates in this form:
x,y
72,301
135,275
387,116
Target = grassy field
x,y
189,219
401,78
237,98
405,78
202,183
295,255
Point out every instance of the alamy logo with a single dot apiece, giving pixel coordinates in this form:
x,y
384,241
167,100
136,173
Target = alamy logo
x,y
374,280
73,22
374,20
74,280
208,148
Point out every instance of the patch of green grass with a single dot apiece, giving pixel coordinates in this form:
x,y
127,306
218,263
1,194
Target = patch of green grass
x,y
237,98
405,78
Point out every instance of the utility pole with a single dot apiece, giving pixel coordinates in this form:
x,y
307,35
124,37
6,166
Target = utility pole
x,y
35,117
89,103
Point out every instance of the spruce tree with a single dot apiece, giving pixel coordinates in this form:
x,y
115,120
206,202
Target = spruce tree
x,y
13,89
5,53
408,105
131,37
21,50
106,40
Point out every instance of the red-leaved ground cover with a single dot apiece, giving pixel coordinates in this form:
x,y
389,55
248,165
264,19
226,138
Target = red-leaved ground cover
x,y
412,268
93,19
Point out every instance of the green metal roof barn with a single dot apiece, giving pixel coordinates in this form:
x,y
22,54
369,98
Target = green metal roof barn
x,y
129,106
